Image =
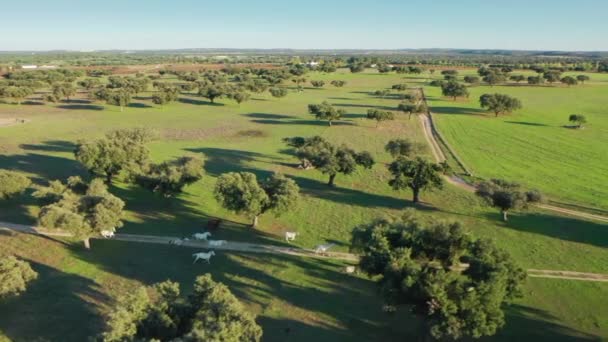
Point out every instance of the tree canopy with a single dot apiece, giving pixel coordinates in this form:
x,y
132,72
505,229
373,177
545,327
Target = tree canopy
x,y
118,150
402,147
325,111
419,264
454,89
506,195
15,275
578,119
242,193
79,208
379,115
12,183
328,158
416,174
499,103
169,178
161,313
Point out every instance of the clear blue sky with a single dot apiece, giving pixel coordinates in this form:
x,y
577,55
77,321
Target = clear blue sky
x,y
155,24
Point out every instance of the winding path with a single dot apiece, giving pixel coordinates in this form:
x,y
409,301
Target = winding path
x,y
427,127
247,247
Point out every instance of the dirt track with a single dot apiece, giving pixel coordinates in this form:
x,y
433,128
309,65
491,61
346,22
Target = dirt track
x,y
271,249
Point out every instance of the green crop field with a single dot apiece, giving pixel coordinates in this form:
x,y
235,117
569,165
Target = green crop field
x,y
313,297
534,146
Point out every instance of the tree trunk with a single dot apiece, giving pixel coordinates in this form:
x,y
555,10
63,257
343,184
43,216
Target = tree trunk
x,y
504,216
332,177
416,195
109,177
256,219
329,121
87,243
121,109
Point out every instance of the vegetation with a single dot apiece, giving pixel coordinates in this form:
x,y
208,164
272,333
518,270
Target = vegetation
x,y
170,178
210,313
379,115
242,193
12,183
506,196
577,119
418,264
118,150
454,90
499,103
15,275
325,111
416,174
85,210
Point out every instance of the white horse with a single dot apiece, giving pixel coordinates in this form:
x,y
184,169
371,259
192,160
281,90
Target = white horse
x,y
201,236
323,248
204,256
177,242
290,236
216,243
108,234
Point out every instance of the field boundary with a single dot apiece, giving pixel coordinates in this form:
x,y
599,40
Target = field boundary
x,y
247,247
437,134
432,136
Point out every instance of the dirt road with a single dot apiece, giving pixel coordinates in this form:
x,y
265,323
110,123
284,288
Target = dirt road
x,y
271,249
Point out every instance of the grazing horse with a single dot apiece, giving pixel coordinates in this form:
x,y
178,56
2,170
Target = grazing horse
x,y
108,234
216,243
290,236
204,256
323,248
201,236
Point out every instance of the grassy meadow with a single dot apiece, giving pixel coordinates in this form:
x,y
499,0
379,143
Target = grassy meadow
x,y
535,145
313,298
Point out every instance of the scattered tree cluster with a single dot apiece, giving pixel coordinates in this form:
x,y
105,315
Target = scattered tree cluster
x,y
457,285
506,196
242,193
328,158
83,209
161,313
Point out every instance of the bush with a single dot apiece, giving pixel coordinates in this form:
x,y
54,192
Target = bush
x,y
12,183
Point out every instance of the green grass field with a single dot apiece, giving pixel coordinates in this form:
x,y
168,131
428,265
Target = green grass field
x,y
534,146
311,296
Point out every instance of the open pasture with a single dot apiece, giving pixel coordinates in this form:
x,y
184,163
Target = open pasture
x,y
314,298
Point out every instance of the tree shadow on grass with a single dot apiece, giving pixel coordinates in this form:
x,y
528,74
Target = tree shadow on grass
x,y
33,103
224,160
301,122
554,226
139,105
56,307
187,100
367,106
81,107
179,217
51,146
43,167
268,116
526,123
531,324
290,287
458,111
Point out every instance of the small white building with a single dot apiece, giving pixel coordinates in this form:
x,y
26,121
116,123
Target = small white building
x,y
312,63
29,67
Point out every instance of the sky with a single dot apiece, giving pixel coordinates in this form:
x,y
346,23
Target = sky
x,y
567,25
